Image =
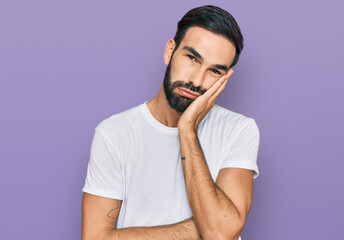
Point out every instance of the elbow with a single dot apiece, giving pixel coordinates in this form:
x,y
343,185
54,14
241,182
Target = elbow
x,y
225,231
232,231
107,234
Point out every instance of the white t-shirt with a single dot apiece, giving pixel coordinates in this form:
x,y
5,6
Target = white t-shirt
x,y
136,159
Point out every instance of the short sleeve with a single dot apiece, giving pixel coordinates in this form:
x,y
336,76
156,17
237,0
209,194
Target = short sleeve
x,y
104,171
241,148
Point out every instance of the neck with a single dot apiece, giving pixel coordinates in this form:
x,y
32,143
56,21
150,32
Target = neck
x,y
161,110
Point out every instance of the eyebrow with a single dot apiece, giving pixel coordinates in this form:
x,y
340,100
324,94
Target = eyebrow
x,y
193,51
199,56
222,67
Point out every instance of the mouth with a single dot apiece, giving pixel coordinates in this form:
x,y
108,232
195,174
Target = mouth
x,y
187,93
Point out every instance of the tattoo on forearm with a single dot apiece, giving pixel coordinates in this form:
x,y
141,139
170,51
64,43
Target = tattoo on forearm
x,y
183,158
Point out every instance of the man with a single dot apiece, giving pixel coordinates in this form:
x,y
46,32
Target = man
x,y
178,166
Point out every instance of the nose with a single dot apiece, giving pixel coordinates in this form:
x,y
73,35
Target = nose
x,y
197,77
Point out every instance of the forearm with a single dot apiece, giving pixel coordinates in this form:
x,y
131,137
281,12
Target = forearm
x,y
212,209
183,230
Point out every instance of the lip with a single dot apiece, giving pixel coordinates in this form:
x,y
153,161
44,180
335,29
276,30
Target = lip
x,y
187,93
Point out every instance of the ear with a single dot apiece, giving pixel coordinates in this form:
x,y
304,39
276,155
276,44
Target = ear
x,y
169,48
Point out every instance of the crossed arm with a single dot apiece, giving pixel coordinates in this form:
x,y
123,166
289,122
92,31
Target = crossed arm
x,y
219,209
99,216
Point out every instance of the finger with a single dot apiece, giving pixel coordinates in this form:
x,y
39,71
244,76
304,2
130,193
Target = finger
x,y
223,79
221,87
219,91
214,88
224,83
229,73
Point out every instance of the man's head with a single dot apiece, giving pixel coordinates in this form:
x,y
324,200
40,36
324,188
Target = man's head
x,y
207,44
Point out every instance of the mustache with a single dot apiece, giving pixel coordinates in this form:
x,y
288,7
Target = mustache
x,y
188,86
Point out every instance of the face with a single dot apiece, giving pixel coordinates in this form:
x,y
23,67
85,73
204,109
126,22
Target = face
x,y
200,60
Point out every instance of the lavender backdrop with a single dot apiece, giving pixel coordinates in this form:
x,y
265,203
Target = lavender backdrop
x,y
67,65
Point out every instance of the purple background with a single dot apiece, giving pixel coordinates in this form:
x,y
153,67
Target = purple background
x,y
67,65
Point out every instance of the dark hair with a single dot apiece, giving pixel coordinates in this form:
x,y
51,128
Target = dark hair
x,y
215,20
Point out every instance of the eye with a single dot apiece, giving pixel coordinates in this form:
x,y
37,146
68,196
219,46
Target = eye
x,y
215,71
191,57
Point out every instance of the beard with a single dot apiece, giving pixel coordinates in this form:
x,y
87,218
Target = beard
x,y
177,102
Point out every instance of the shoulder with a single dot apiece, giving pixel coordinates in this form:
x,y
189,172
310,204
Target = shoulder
x,y
119,122
227,124
227,118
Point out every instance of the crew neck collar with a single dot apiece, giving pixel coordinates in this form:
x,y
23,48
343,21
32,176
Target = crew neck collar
x,y
158,125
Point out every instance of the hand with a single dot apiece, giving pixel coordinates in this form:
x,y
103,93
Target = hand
x,y
200,107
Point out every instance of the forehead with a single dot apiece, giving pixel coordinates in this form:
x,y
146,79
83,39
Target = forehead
x,y
213,48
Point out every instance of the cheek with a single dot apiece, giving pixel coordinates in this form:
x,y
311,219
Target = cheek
x,y
208,84
210,79
182,69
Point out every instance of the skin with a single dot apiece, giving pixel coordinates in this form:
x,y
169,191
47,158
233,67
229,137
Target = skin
x,y
219,208
215,50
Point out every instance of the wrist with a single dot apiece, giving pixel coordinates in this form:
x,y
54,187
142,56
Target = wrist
x,y
187,132
182,127
190,226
